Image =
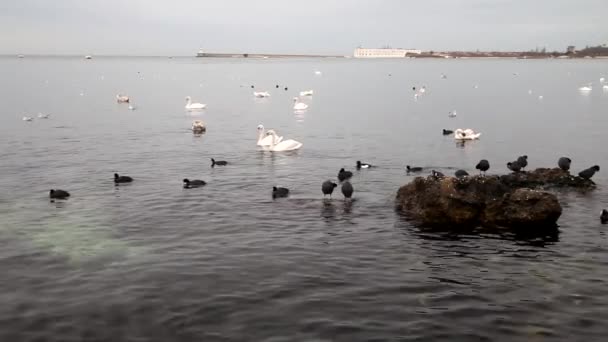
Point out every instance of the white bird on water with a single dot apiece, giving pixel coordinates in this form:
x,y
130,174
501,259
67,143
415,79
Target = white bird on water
x,y
261,94
605,87
602,80
122,98
306,93
266,140
43,116
586,88
27,118
452,114
299,105
285,145
194,106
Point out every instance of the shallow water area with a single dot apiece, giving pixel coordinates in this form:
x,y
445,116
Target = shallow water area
x,y
151,261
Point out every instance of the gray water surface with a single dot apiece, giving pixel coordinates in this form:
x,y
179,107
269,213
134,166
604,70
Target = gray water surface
x,y
150,261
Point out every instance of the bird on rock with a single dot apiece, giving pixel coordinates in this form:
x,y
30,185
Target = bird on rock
x,y
483,166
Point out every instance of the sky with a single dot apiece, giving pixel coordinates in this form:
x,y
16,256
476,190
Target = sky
x,y
181,27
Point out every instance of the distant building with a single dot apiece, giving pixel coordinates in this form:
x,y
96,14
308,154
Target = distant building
x,y
571,49
384,53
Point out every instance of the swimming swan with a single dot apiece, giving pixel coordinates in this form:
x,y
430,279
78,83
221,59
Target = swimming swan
x,y
299,105
266,140
261,94
466,134
194,106
285,145
306,93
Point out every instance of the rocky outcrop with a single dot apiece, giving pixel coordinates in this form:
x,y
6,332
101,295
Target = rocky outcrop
x,y
545,179
490,202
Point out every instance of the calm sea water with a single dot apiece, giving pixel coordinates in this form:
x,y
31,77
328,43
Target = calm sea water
x,y
151,261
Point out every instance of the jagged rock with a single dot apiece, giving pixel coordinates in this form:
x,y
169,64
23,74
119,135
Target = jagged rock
x,y
477,201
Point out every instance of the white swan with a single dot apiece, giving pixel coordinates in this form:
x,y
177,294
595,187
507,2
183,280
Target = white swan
x,y
299,105
27,118
88,57
194,106
266,140
452,114
122,98
466,134
585,88
285,145
602,80
306,93
132,107
261,94
605,87
43,116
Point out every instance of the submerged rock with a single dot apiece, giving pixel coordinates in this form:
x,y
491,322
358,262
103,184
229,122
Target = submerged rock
x,y
477,201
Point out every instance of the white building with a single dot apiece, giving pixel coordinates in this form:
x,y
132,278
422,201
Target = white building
x,y
384,53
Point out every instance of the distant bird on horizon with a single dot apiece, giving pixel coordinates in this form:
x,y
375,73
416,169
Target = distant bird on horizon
x,y
588,173
483,166
564,163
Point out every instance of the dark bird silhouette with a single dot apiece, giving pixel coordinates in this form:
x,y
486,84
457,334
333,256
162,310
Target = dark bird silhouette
x,y
279,192
58,194
604,216
328,187
522,161
195,183
252,86
564,163
412,168
514,166
447,132
483,166
361,165
437,174
588,173
286,88
347,190
122,179
461,173
277,86
218,162
344,175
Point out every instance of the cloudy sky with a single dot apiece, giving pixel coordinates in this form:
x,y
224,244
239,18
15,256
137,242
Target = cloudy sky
x,y
180,27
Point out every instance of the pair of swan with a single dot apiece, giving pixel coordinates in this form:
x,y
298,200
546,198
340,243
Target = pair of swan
x,y
194,106
271,141
261,94
466,134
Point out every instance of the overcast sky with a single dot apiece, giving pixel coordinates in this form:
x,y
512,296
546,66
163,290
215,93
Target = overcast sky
x,y
181,27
